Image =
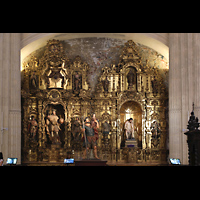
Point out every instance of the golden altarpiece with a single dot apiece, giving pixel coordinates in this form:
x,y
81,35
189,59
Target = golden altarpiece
x,y
56,97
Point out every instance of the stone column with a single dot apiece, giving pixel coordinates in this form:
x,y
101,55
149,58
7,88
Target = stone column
x,y
184,88
1,89
174,96
196,67
6,48
11,94
15,97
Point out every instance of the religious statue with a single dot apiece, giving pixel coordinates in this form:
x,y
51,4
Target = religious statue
x,y
155,129
32,127
129,129
91,139
33,81
131,78
106,128
76,129
95,125
77,82
56,73
54,127
105,84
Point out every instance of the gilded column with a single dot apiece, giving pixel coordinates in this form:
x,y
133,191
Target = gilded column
x,y
41,136
113,83
122,81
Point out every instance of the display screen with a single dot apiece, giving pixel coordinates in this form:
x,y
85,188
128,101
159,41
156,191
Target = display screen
x,y
175,161
12,161
70,160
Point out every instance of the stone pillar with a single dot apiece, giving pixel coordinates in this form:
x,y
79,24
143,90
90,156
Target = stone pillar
x,y
174,96
1,90
5,94
196,73
184,88
10,95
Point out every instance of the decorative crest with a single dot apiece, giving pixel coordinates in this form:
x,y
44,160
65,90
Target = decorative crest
x,y
54,52
130,52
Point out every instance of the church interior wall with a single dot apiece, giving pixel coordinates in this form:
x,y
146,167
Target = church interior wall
x,y
183,61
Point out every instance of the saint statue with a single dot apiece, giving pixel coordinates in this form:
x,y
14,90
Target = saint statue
x,y
32,128
55,69
129,129
105,84
106,128
91,138
76,129
54,126
95,125
131,78
77,82
155,129
33,81
56,75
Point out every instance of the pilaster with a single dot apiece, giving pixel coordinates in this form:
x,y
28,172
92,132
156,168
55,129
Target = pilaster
x,y
15,97
184,88
197,74
6,47
10,98
174,96
1,87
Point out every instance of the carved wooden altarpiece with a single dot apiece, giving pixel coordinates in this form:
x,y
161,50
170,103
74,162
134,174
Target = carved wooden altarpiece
x,y
124,89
